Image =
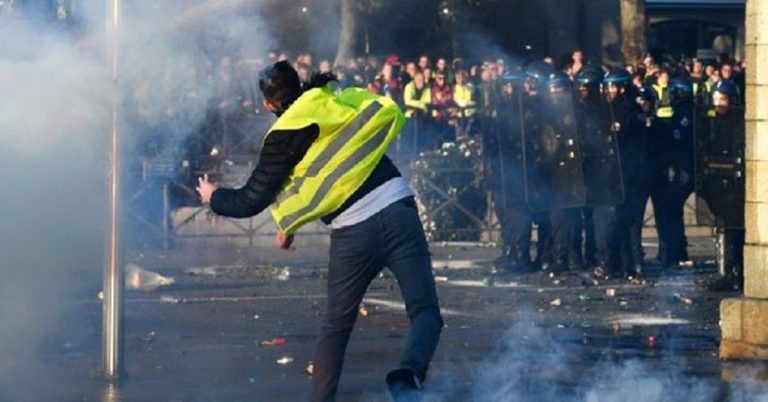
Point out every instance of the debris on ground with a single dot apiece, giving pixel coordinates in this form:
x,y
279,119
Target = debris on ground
x,y
283,274
202,271
651,341
600,273
100,296
584,297
256,317
310,368
556,302
589,282
441,279
149,337
687,264
488,281
610,292
137,278
680,299
273,342
168,299
285,360
363,310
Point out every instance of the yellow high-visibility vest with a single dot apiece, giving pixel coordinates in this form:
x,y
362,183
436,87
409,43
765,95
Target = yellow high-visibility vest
x,y
413,102
463,96
355,129
664,108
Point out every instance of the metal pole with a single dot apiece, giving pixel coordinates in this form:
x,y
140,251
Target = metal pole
x,y
113,279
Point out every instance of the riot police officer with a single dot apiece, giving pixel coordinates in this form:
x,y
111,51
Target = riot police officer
x,y
720,179
536,75
503,150
554,177
629,124
602,171
671,168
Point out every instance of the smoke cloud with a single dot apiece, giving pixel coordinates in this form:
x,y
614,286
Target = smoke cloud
x,y
177,59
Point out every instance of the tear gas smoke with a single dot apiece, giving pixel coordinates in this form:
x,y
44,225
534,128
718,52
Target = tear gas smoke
x,y
54,127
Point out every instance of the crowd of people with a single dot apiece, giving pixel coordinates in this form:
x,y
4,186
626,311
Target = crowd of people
x,y
494,100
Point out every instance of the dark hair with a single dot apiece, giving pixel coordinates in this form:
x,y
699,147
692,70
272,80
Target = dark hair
x,y
280,84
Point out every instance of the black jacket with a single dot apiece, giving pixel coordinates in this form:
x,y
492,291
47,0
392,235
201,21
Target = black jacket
x,y
281,152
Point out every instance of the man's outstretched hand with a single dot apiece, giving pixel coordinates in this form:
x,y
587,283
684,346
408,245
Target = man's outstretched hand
x,y
205,188
284,241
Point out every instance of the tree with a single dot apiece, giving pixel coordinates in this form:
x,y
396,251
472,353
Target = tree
x,y
347,34
633,30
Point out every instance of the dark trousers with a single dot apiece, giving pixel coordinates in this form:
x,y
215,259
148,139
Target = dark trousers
x,y
392,238
562,223
605,232
631,217
515,222
668,197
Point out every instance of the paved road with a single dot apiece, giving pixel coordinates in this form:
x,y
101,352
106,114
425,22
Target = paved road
x,y
531,337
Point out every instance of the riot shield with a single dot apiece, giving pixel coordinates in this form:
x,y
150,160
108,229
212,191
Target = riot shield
x,y
554,178
720,166
504,151
600,153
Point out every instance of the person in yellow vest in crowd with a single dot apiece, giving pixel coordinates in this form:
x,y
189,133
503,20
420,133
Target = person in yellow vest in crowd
x,y
463,97
417,97
324,158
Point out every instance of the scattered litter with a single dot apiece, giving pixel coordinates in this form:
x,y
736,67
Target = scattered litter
x,y
488,282
149,337
610,292
169,299
202,271
623,303
252,380
556,282
441,279
273,342
599,273
637,281
551,274
137,278
560,326
586,324
363,310
687,264
310,369
285,360
556,302
100,296
651,341
584,297
283,274
256,317
588,281
685,300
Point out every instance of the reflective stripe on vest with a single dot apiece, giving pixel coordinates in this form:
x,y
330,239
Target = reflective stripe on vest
x,y
327,153
664,108
355,129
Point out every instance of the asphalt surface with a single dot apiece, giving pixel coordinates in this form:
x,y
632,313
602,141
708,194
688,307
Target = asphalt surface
x,y
527,337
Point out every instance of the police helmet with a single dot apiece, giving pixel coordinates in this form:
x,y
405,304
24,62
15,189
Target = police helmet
x,y
682,87
538,71
618,77
589,76
725,87
558,80
513,76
